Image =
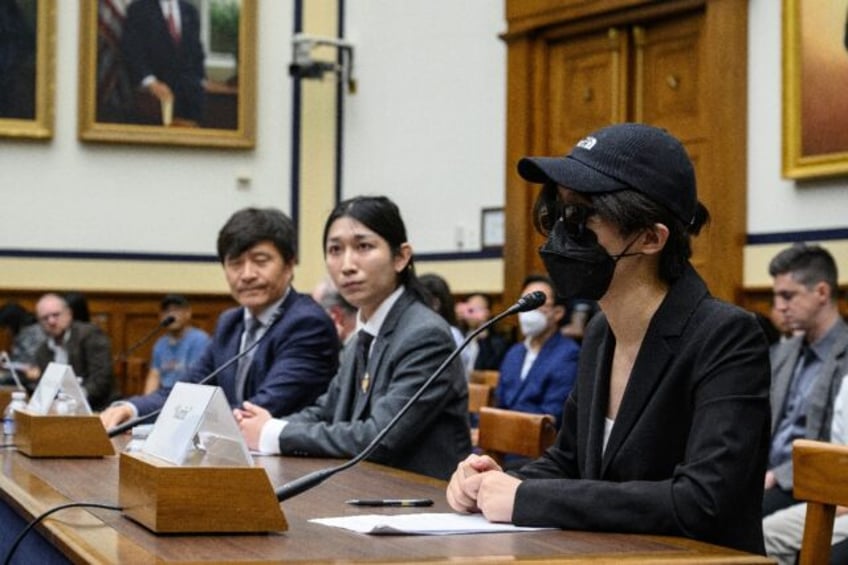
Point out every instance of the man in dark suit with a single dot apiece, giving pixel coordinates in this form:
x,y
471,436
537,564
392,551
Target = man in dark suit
x,y
79,344
297,350
164,56
808,368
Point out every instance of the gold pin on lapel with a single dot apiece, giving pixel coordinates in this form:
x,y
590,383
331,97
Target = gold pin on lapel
x,y
364,383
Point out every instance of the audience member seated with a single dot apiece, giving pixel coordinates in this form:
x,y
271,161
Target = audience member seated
x,y
175,352
783,530
298,352
82,345
487,350
537,374
441,300
400,343
16,321
806,369
24,330
342,312
78,304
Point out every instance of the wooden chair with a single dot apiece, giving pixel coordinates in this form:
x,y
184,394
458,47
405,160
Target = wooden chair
x,y
485,377
519,433
819,471
479,395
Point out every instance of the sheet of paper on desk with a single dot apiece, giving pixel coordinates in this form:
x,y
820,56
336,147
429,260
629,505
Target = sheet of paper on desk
x,y
430,524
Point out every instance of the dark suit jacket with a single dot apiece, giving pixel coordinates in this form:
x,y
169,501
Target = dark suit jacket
x,y
822,395
149,50
688,450
291,366
90,355
548,382
431,438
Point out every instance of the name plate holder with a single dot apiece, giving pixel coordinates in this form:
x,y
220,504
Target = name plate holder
x,y
58,422
194,473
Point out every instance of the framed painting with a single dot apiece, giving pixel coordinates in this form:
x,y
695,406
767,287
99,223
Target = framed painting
x,y
815,78
27,59
181,72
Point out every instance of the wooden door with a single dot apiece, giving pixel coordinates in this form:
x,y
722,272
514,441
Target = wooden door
x,y
671,65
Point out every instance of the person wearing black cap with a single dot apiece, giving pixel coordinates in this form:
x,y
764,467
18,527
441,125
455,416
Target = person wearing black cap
x,y
175,352
666,430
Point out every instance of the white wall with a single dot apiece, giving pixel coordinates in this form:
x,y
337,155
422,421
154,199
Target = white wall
x,y
68,195
776,204
426,128
427,125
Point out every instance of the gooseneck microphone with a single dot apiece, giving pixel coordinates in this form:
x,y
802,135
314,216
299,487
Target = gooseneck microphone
x,y
166,321
529,301
121,428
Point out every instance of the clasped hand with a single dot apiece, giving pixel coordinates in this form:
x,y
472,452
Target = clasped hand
x,y
480,485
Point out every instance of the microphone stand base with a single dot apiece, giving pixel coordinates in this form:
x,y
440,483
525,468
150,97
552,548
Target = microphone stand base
x,y
173,499
49,435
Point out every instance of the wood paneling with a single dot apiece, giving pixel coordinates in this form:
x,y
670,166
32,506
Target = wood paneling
x,y
129,317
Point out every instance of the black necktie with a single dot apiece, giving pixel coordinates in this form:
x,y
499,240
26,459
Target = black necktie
x,y
363,345
250,335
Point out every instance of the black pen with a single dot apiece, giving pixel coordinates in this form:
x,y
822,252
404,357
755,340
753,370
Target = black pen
x,y
402,502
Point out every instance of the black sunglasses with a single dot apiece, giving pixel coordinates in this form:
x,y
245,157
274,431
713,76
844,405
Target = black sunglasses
x,y
574,218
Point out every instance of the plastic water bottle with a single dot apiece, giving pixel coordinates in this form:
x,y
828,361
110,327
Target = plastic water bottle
x,y
18,402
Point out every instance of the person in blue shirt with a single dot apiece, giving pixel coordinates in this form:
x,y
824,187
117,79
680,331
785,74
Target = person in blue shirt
x,y
178,349
537,373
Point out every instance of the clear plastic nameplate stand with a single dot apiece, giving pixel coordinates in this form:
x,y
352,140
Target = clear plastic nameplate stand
x,y
59,392
197,427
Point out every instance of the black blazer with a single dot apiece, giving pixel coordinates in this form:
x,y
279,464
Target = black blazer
x,y
688,451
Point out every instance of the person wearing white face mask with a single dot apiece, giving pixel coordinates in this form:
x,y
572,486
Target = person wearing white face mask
x,y
537,374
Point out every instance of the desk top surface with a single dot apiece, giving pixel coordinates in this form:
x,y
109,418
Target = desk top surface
x,y
32,486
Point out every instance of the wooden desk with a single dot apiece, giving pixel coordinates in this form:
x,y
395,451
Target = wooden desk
x,y
31,486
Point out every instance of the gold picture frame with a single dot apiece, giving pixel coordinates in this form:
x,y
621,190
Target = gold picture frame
x,y
113,109
27,111
815,71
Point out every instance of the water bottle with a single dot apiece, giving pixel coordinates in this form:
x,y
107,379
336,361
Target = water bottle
x,y
18,402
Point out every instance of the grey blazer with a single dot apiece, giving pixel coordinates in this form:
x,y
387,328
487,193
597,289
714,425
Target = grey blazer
x,y
431,438
820,410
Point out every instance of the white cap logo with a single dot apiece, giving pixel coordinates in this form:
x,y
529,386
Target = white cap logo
x,y
587,142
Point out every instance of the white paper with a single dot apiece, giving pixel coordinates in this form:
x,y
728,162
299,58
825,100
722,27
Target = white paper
x,y
425,523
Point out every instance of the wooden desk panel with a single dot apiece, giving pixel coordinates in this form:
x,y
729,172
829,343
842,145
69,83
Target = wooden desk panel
x,y
31,486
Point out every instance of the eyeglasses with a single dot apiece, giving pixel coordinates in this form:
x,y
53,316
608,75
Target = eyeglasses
x,y
574,218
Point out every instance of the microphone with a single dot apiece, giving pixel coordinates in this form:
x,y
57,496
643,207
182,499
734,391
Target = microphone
x,y
166,321
121,428
529,301
11,365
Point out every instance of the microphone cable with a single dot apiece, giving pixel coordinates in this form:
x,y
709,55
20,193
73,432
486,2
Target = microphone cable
x,y
35,521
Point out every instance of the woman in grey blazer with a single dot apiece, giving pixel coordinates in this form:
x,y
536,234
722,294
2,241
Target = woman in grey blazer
x,y
401,342
666,430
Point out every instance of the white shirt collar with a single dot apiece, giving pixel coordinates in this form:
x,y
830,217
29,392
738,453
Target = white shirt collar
x,y
374,324
268,313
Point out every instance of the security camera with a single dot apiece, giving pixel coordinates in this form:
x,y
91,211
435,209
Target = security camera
x,y
305,67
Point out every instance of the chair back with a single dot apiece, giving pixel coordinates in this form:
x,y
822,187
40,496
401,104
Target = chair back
x,y
479,395
504,432
819,471
485,377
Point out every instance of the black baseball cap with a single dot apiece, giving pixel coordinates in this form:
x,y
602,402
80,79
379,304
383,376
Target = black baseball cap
x,y
624,156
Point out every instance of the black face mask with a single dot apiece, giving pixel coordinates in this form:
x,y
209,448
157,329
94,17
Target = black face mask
x,y
577,264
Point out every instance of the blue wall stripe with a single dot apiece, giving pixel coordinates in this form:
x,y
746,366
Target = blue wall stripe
x,y
296,125
793,237
341,91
